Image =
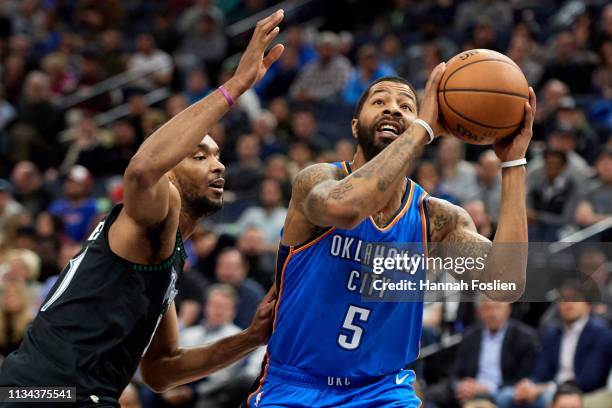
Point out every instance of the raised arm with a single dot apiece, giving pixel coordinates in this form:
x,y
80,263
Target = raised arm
x,y
166,365
452,226
146,194
326,198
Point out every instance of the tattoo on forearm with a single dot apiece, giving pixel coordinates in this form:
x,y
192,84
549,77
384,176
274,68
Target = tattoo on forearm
x,y
339,192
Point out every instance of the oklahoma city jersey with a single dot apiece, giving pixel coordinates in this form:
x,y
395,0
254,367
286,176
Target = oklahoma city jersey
x,y
323,327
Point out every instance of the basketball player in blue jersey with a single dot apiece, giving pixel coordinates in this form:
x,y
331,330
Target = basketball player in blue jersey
x,y
329,347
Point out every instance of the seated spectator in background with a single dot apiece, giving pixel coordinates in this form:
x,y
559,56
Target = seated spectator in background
x,y
219,312
368,70
91,73
602,79
269,216
305,128
344,150
76,208
243,176
482,219
295,38
280,76
596,198
569,64
261,259
207,30
495,353
114,60
264,126
89,148
232,269
549,193
197,86
325,77
129,397
301,155
563,138
125,144
9,208
571,116
427,176
458,177
154,65
29,188
577,350
22,265
277,168
488,173
567,396
188,301
496,10
548,102
16,315
525,52
175,104
62,81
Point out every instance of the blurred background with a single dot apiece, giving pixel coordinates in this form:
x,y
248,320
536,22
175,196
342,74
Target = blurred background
x,y
84,82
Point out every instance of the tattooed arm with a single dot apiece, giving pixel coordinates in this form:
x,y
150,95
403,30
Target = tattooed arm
x,y
454,233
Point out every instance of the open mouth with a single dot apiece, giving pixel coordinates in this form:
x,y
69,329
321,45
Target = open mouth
x,y
217,185
389,129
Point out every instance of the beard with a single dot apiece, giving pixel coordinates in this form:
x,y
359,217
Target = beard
x,y
195,203
366,139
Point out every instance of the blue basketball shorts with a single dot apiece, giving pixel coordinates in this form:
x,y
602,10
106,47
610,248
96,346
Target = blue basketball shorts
x,y
287,387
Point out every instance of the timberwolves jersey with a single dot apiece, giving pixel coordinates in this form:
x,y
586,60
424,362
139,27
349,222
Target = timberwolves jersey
x,y
96,323
323,326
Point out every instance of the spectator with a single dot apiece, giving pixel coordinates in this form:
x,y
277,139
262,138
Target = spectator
x,y
495,353
264,126
124,147
277,168
207,30
296,39
232,269
305,128
15,317
91,73
9,208
197,86
77,209
325,77
244,176
22,265
548,103
458,177
495,10
114,60
152,64
88,148
596,199
548,197
280,76
261,257
368,70
301,155
7,110
62,82
175,104
567,396
428,177
482,219
269,217
489,182
571,116
29,188
190,17
524,51
569,64
577,350
345,149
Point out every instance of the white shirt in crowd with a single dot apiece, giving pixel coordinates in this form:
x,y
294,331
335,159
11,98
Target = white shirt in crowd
x,y
569,341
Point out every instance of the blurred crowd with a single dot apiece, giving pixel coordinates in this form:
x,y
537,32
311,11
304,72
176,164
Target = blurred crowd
x,y
84,82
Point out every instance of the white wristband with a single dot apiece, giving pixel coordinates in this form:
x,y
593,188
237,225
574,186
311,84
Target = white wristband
x,y
514,163
428,128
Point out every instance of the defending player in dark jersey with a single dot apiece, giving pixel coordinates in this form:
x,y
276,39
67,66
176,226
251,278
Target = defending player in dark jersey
x,y
330,346
113,303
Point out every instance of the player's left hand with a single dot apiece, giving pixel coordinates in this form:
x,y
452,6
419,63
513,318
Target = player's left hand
x,y
514,148
261,325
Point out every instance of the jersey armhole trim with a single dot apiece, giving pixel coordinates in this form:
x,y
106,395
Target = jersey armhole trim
x,y
310,241
425,221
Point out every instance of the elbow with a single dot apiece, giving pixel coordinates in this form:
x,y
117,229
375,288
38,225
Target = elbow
x,y
511,295
139,172
345,216
154,379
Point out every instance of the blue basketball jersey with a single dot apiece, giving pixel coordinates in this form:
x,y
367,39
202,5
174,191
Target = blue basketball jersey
x,y
323,325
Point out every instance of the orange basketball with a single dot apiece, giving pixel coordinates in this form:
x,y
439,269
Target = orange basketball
x,y
482,96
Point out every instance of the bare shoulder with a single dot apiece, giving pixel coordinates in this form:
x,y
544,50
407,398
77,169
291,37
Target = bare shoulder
x,y
448,221
146,244
313,175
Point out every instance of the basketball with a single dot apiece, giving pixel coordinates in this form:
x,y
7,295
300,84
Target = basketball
x,y
482,96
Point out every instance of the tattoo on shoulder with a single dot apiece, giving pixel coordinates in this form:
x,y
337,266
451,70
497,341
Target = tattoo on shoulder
x,y
313,175
445,218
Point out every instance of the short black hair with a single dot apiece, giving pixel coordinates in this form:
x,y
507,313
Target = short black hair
x,y
366,93
560,154
566,389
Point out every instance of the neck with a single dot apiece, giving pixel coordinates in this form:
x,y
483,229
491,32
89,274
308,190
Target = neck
x,y
187,223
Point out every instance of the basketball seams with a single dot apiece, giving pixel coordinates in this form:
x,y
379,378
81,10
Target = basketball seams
x,y
493,91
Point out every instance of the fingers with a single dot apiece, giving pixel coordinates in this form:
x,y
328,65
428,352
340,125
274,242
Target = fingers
x,y
532,99
268,24
273,55
530,109
270,296
434,78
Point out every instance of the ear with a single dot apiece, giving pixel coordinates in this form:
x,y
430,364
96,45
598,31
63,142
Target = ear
x,y
354,127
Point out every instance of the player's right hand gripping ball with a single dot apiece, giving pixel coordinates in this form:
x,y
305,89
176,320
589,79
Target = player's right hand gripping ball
x,y
482,96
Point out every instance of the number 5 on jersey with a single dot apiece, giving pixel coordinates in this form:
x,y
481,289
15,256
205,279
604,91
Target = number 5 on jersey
x,y
351,341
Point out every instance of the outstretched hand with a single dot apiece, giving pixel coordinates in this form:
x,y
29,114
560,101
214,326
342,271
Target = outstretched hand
x,y
429,110
514,148
255,62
